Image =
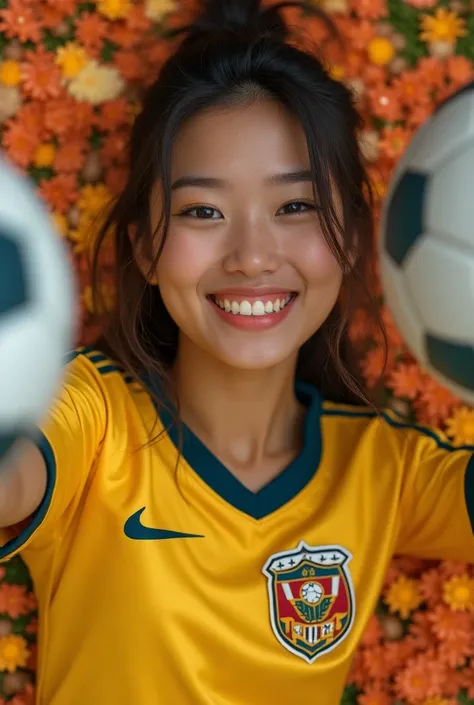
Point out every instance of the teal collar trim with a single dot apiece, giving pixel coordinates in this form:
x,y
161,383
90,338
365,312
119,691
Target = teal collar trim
x,y
290,482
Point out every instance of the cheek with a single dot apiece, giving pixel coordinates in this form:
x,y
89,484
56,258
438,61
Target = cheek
x,y
317,263
184,260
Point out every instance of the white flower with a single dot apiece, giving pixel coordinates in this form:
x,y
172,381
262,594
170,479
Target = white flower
x,y
10,102
96,84
155,10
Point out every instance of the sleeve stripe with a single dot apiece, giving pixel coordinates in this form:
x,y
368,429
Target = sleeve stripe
x,y
469,490
19,541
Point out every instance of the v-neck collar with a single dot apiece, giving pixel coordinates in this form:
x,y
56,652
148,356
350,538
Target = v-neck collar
x,y
214,473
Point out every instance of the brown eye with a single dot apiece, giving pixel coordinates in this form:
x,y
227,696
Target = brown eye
x,y
202,213
296,207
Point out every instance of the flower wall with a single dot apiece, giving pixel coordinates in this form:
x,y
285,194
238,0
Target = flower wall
x,y
71,77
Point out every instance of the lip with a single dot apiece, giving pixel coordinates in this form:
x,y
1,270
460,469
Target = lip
x,y
252,323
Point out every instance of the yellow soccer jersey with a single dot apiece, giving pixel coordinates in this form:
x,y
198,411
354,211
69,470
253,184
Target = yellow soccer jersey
x,y
165,583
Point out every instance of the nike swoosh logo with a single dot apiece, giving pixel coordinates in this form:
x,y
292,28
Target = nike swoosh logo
x,y
134,529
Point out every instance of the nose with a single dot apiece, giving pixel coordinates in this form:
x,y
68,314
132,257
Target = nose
x,y
253,250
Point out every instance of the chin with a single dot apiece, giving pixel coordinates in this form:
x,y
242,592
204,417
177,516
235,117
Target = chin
x,y
252,358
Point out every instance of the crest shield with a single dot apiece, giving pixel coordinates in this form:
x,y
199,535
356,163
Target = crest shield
x,y
311,598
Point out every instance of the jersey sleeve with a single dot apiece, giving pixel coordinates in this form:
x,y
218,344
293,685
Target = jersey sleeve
x,y
437,499
69,439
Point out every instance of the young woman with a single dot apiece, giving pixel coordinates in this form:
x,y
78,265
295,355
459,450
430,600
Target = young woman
x,y
207,515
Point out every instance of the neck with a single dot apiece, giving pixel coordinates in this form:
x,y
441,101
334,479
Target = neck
x,y
244,416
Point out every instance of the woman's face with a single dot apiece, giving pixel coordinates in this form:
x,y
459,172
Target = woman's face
x,y
245,272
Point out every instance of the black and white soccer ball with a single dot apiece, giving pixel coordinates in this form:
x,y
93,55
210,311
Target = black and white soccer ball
x,y
427,245
37,309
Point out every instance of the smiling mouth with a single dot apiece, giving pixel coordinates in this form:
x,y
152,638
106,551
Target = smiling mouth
x,y
259,307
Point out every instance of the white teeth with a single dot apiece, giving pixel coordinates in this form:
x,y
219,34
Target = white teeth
x,y
269,307
257,308
245,308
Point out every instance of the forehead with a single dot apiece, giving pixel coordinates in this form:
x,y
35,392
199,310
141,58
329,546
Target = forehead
x,y
257,139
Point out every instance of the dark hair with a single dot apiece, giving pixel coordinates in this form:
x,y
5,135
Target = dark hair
x,y
238,51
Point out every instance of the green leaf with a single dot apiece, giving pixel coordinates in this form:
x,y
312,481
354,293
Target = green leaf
x,y
39,174
96,139
53,41
465,45
406,20
86,7
17,573
108,51
350,694
462,698
3,42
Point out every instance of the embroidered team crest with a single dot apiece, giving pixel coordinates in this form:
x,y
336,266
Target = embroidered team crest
x,y
311,598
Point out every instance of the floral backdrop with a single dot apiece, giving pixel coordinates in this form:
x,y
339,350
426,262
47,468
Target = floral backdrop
x,y
71,77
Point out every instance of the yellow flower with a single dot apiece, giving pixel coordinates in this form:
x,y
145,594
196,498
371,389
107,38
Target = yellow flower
x,y
60,223
105,302
44,155
96,84
114,9
403,596
458,593
460,427
381,51
94,198
443,26
13,652
155,10
336,71
10,73
71,59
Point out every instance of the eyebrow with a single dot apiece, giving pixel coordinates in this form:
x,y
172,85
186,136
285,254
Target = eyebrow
x,y
292,177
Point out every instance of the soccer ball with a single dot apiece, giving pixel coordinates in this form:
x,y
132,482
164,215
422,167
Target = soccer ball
x,y
36,308
427,245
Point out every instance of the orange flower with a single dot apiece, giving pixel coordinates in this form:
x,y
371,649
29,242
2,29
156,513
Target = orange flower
x,y
448,624
373,366
60,191
422,677
411,90
373,632
114,114
455,652
370,9
124,36
393,141
70,156
431,586
19,143
19,20
436,402
420,630
130,64
60,115
377,666
13,600
406,380
374,695
385,103
41,76
31,117
431,72
91,31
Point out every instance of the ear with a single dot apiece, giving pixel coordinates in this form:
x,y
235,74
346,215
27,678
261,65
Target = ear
x,y
143,260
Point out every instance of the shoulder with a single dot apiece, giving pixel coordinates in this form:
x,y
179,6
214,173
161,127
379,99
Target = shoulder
x,y
382,431
89,371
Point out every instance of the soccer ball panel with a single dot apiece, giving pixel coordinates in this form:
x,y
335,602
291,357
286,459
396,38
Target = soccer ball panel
x,y
449,206
440,279
403,218
13,288
454,362
31,359
447,131
402,308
